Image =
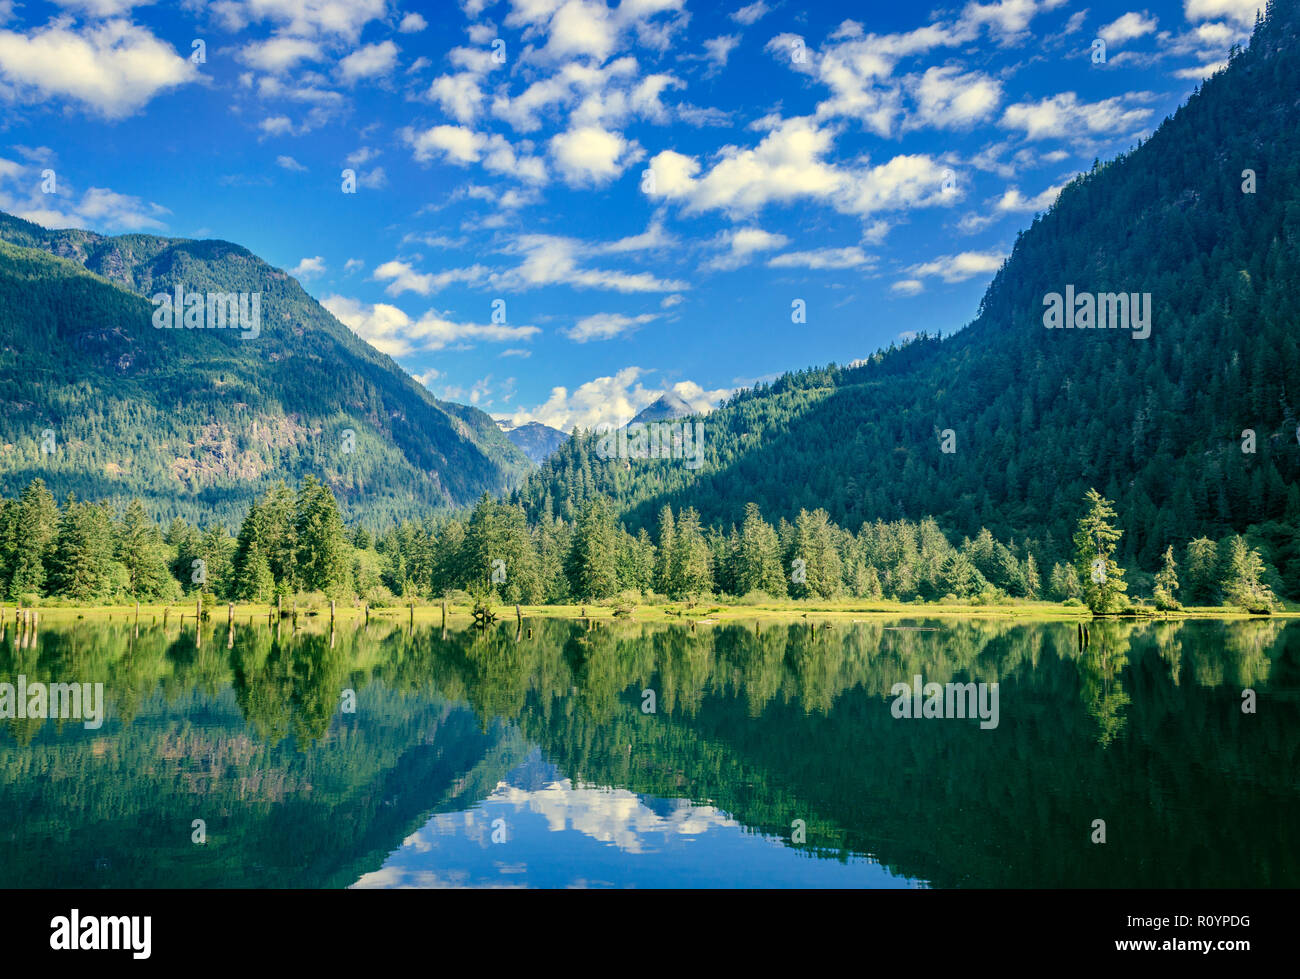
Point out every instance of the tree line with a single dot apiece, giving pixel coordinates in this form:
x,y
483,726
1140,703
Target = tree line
x,y
293,542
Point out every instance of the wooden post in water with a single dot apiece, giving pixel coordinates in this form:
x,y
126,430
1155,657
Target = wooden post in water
x,y
230,615
331,621
367,607
444,613
519,615
279,605
198,608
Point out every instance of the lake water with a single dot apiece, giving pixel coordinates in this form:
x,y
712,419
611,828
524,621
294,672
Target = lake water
x,y
772,756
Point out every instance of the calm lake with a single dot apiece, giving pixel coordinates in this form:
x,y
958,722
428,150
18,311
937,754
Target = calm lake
x,y
632,755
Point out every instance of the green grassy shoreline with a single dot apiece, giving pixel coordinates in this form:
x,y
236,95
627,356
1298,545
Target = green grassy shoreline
x,y
669,612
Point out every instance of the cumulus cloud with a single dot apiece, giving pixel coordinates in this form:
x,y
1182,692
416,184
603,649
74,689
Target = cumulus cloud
x,y
960,267
113,68
949,98
342,19
790,164
308,268
612,400
402,277
279,54
592,156
751,13
1064,115
391,331
1239,11
462,146
371,61
822,259
605,326
97,208
741,244
1127,28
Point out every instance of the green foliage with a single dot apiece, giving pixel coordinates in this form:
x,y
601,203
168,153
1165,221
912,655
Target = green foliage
x,y
1095,541
194,421
1043,415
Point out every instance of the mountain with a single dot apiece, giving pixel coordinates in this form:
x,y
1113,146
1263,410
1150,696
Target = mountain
x,y
537,441
100,402
1191,430
667,407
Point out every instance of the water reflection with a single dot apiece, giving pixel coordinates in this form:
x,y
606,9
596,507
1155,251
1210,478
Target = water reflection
x,y
771,757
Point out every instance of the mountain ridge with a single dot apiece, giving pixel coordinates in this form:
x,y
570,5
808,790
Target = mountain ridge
x,y
1034,417
274,407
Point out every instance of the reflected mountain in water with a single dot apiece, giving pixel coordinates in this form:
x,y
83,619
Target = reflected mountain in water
x,y
772,757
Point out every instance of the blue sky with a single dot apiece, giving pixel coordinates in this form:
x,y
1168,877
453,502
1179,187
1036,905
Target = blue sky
x,y
639,190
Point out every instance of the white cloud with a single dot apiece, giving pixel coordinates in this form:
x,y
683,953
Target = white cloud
x,y
750,13
303,18
403,278
308,268
1239,11
412,23
612,400
279,54
463,146
1127,28
371,61
790,164
948,98
552,260
718,49
592,156
604,326
741,244
822,258
276,125
97,209
959,268
1198,72
1013,201
1063,115
114,68
103,8
908,287
289,163
391,331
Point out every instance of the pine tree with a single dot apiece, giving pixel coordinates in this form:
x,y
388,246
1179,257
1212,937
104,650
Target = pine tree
x,y
664,582
324,558
140,552
691,572
1095,540
1166,586
36,526
758,558
1243,584
1202,571
593,569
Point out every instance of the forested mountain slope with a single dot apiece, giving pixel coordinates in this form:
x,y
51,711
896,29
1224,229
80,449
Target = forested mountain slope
x,y
197,422
1038,415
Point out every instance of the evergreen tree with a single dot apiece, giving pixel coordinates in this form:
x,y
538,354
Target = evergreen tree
x,y
593,568
33,538
140,551
758,557
1166,586
324,559
1095,540
1202,571
1243,584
